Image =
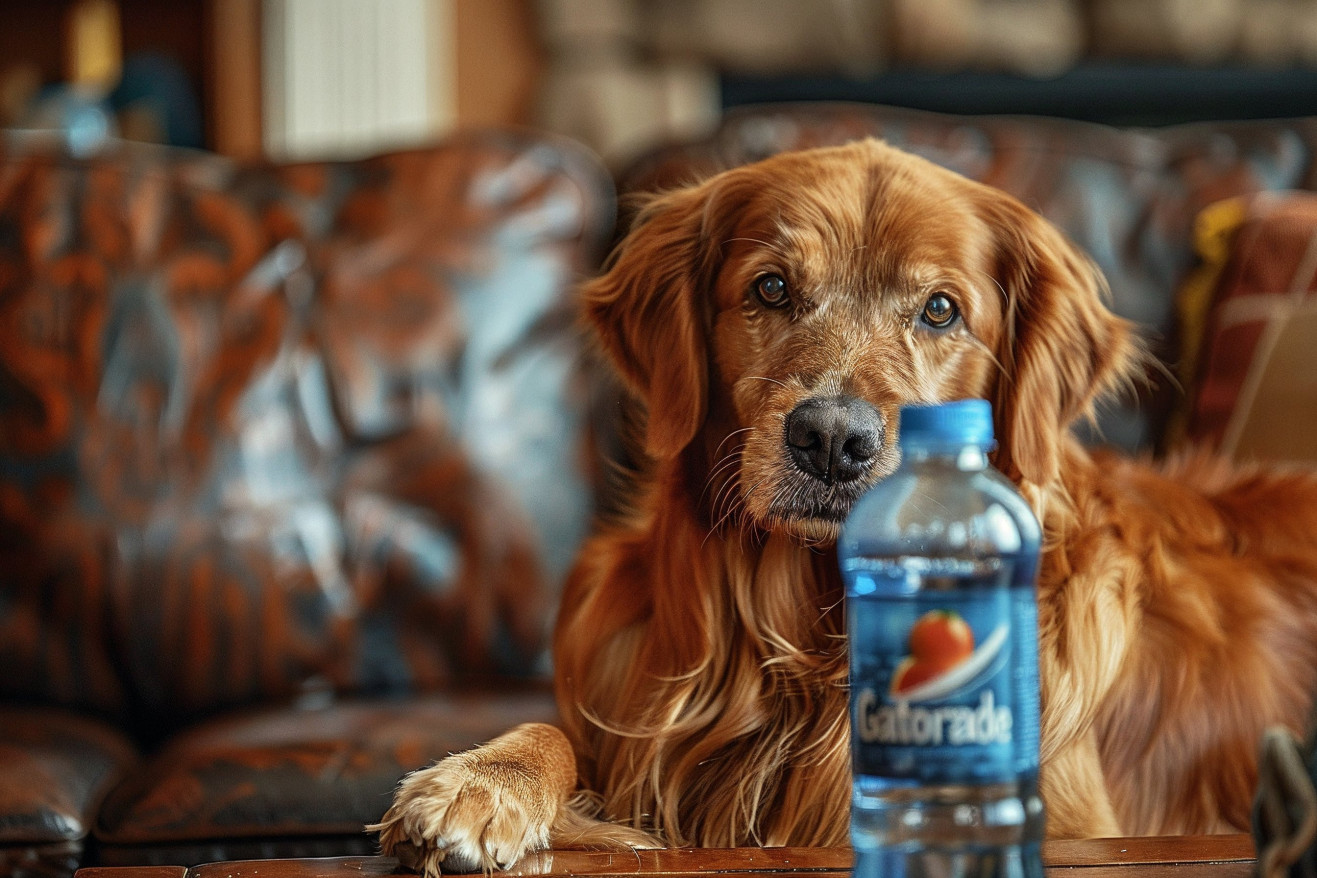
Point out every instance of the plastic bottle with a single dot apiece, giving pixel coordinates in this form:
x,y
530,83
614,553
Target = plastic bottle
x,y
940,561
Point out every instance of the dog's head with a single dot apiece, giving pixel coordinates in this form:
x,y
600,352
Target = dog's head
x,y
775,318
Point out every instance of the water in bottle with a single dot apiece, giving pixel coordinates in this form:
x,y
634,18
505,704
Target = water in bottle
x,y
939,561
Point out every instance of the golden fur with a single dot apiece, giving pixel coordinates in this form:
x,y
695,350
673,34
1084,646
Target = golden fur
x,y
700,661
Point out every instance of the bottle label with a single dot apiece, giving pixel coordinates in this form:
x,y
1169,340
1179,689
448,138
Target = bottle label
x,y
944,685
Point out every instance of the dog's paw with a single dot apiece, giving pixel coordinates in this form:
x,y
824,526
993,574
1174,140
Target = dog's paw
x,y
483,809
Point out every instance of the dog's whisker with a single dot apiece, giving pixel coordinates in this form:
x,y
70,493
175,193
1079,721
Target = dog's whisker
x,y
987,352
742,512
729,460
738,506
726,499
744,240
726,464
729,503
732,510
728,485
1009,309
731,435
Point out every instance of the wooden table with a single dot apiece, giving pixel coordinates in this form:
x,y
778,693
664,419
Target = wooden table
x,y
1215,856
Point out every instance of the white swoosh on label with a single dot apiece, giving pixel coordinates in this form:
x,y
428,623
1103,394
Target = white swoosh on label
x,y
962,673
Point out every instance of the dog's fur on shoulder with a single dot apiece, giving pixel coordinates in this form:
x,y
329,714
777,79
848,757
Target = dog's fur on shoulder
x,y
700,659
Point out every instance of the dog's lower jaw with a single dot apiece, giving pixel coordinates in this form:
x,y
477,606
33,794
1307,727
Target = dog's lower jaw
x,y
812,532
816,513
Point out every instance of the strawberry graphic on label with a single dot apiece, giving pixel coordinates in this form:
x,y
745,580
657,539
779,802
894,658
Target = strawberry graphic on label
x,y
939,641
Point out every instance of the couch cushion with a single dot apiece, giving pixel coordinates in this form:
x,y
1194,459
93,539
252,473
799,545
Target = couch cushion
x,y
265,429
55,769
1127,196
294,781
1255,391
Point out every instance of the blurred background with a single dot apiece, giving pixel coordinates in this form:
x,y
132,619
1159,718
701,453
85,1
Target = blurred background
x,y
313,79
323,438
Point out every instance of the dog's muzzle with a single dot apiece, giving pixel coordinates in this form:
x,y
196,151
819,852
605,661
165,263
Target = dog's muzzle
x,y
834,440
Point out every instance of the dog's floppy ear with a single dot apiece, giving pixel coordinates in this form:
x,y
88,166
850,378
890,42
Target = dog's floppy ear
x,y
1061,348
649,312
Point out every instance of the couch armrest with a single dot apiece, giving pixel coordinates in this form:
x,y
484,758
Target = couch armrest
x,y
55,769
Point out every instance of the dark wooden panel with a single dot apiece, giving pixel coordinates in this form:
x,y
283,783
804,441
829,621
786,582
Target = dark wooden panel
x,y
1226,856
1168,849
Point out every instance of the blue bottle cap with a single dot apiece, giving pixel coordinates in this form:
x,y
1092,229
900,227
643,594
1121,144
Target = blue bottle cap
x,y
963,422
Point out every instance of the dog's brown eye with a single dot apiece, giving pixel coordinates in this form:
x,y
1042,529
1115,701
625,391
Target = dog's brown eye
x,y
939,311
772,290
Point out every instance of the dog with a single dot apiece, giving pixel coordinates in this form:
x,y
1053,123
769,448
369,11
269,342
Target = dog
x,y
700,655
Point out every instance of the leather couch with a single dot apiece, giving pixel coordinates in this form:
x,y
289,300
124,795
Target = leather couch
x,y
293,459
292,463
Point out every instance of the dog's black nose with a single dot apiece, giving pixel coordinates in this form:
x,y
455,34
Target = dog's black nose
x,y
834,440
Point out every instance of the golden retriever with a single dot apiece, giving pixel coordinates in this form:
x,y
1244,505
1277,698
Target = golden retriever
x,y
700,660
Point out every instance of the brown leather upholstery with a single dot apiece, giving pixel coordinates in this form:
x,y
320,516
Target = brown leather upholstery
x,y
269,428
295,781
271,434
55,767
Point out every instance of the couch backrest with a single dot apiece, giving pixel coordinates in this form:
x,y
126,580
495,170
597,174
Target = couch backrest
x,y
1129,197
268,429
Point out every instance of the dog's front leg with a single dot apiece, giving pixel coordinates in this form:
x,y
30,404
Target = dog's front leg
x,y
482,809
